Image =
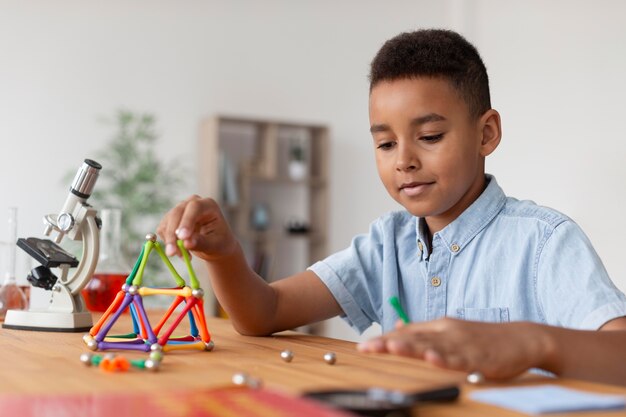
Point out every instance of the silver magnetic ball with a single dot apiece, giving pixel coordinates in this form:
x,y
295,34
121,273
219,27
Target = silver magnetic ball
x,y
86,358
330,358
125,287
110,356
198,293
209,346
87,337
240,378
155,347
286,355
151,237
152,365
475,378
132,290
156,356
92,344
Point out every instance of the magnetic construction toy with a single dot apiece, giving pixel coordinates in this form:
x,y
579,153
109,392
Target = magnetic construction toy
x,y
145,337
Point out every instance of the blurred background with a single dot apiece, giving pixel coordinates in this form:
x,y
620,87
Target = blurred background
x,y
68,67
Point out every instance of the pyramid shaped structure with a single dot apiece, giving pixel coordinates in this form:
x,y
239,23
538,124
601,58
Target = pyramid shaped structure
x,y
145,337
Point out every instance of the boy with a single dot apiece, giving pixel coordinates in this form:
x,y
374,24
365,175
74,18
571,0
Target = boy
x,y
461,249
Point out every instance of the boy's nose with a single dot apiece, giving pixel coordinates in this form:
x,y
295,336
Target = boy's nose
x,y
407,159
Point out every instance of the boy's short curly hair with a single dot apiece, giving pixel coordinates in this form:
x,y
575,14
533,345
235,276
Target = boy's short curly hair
x,y
435,53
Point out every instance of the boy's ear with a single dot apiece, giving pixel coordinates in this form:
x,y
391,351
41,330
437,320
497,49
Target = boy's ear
x,y
491,131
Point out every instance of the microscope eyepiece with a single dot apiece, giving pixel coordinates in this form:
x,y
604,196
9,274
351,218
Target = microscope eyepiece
x,y
93,163
85,179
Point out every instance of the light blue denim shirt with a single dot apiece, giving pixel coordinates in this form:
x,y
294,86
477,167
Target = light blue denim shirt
x,y
501,260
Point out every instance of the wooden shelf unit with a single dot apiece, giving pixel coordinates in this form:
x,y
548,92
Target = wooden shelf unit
x,y
257,152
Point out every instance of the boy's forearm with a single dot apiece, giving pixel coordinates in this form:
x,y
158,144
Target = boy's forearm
x,y
591,355
249,301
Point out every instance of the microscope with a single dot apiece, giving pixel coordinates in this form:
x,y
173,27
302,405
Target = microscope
x,y
66,311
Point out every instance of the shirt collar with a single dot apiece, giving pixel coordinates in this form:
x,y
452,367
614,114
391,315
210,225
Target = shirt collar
x,y
462,230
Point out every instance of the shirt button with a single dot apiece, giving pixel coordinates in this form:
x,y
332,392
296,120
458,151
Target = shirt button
x,y
435,281
420,246
455,247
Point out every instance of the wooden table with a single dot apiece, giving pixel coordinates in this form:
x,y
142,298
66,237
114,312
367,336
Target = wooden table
x,y
41,362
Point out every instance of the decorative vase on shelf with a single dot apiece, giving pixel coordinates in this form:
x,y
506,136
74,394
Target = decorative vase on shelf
x,y
260,217
297,170
297,163
112,270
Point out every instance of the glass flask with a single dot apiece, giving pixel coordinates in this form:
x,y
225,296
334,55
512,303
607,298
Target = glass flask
x,y
112,269
11,296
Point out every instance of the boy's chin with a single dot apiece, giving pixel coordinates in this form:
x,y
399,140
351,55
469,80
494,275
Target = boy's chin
x,y
421,209
417,211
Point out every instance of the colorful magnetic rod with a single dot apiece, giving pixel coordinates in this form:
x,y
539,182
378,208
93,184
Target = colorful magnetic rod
x,y
144,337
112,363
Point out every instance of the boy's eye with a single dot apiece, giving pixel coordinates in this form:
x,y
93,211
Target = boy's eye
x,y
385,146
432,138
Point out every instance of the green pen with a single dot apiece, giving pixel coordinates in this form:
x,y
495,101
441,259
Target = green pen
x,y
395,303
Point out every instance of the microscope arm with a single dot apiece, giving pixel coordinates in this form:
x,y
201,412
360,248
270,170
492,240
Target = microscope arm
x,y
89,258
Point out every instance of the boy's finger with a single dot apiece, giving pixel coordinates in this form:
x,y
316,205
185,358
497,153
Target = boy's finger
x,y
167,229
402,346
169,238
191,243
410,345
433,356
372,345
189,219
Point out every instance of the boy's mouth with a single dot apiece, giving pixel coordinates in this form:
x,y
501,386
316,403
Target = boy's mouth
x,y
415,188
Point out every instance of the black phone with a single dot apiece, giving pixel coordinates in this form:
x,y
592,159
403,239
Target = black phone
x,y
381,402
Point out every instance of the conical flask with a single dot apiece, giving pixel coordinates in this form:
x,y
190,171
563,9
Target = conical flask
x,y
112,269
11,296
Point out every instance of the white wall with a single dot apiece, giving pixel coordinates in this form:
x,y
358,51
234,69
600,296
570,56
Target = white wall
x,y
556,75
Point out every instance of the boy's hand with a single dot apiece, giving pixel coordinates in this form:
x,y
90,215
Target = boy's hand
x,y
199,223
498,351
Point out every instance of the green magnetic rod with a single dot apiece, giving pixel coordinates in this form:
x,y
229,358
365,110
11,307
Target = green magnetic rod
x,y
395,303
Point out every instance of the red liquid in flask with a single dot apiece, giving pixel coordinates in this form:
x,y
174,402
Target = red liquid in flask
x,y
111,270
100,292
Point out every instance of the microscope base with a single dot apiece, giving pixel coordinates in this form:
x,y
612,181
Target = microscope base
x,y
48,321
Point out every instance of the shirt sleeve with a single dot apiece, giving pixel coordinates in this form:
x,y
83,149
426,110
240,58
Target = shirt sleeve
x,y
573,287
353,276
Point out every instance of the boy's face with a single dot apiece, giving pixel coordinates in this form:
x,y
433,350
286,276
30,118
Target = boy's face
x,y
429,150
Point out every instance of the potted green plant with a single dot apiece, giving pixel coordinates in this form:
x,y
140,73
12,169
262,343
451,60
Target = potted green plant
x,y
297,162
